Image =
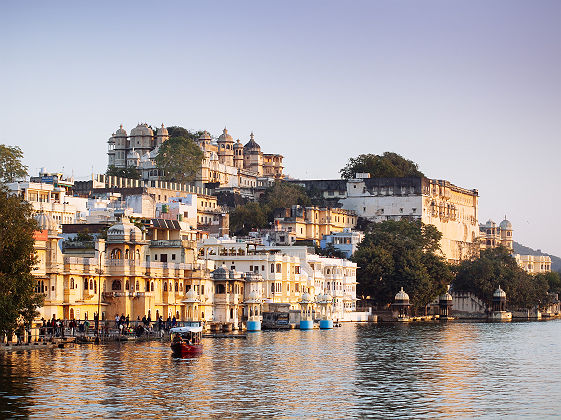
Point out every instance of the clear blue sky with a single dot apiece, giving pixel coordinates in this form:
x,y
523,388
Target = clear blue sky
x,y
470,90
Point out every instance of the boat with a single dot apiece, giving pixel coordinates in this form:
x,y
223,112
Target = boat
x,y
186,340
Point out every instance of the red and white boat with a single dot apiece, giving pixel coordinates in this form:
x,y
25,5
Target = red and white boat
x,y
186,340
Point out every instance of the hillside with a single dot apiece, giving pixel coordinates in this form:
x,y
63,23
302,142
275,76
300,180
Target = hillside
x,y
524,250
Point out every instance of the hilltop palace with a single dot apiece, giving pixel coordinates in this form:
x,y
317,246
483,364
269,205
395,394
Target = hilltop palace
x,y
227,163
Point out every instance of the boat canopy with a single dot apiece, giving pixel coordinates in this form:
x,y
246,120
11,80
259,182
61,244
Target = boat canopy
x,y
181,330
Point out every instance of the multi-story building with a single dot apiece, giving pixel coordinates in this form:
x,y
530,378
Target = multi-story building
x,y
312,223
451,209
226,164
534,264
52,200
287,272
491,235
346,241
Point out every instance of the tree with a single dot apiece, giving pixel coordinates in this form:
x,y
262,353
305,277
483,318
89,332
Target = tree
x,y
553,280
130,172
388,165
496,267
252,215
404,253
179,157
283,195
11,168
246,218
17,296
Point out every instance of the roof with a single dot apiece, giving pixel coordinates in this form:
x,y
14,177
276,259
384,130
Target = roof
x,y
165,224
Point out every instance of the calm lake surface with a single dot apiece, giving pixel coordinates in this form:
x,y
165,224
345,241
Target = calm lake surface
x,y
358,370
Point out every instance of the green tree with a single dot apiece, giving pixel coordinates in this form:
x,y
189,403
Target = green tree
x,y
258,215
179,157
130,172
17,296
388,165
553,280
11,168
404,253
248,217
496,267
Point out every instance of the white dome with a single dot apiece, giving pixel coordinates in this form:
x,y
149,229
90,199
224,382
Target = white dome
x,y
401,295
191,296
500,293
506,225
142,130
445,297
253,297
123,232
46,222
133,154
306,298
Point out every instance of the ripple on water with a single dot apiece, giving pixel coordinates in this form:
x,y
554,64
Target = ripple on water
x,y
359,370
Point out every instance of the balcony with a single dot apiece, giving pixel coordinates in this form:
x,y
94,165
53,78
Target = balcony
x,y
172,243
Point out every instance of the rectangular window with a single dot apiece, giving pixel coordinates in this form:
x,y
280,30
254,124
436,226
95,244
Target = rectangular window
x,y
173,257
279,267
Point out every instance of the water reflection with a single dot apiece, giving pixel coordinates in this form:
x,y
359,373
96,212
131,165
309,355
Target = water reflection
x,y
416,370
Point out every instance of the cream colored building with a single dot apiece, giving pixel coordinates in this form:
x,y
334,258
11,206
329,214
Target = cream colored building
x,y
451,209
287,273
226,163
534,264
491,235
312,223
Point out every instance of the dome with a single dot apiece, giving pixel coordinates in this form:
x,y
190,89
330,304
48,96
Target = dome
x,y
306,298
401,295
46,222
121,132
142,130
445,297
253,297
499,293
221,273
133,154
252,144
238,144
191,296
162,131
123,232
225,137
506,225
490,223
205,136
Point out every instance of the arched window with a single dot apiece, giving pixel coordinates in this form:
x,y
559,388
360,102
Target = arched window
x,y
272,268
137,254
147,286
126,254
176,286
152,286
272,287
95,286
85,284
116,285
137,286
180,287
72,283
165,286
91,284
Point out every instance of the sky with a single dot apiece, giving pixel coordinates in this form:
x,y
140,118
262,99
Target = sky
x,y
469,90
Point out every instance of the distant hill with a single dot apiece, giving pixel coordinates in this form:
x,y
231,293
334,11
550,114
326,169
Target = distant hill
x,y
524,250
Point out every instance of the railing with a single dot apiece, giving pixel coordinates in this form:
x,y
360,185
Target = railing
x,y
172,243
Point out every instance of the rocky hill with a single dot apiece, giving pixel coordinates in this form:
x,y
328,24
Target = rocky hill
x,y
524,250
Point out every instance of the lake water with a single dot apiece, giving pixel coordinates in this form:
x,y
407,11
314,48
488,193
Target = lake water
x,y
358,370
